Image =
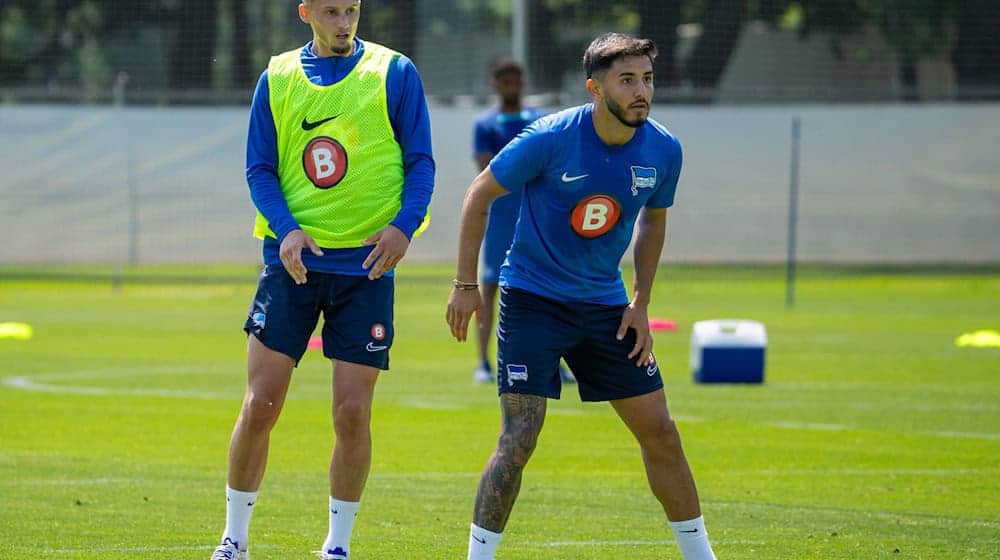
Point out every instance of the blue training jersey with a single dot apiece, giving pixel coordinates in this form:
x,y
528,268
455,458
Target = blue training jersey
x,y
581,198
493,130
410,122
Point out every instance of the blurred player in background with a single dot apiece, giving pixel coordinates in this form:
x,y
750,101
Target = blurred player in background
x,y
590,177
492,131
341,178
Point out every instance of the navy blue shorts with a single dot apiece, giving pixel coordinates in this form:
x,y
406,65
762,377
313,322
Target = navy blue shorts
x,y
357,315
535,332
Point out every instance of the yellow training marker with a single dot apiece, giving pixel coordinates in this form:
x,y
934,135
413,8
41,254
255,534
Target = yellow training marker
x,y
16,331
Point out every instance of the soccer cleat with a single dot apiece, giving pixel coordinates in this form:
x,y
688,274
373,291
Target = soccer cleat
x,y
483,375
335,554
229,550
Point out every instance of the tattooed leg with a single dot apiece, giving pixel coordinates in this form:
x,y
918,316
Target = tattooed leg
x,y
522,422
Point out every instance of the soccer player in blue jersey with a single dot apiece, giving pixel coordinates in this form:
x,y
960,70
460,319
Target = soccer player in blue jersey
x,y
492,131
589,176
340,169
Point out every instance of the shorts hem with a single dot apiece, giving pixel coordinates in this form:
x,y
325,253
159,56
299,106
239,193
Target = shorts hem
x,y
528,391
255,334
379,366
623,395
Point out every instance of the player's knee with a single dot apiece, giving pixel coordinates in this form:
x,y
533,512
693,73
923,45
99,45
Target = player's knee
x,y
518,445
663,439
260,412
351,419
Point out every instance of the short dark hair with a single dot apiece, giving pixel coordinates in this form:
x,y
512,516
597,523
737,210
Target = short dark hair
x,y
503,66
609,47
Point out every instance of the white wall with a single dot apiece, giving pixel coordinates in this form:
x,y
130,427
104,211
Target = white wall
x,y
879,183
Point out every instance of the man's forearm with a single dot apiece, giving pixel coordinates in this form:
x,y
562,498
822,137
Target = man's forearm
x,y
648,247
472,226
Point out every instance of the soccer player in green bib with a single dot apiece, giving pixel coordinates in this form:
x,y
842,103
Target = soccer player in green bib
x,y
340,169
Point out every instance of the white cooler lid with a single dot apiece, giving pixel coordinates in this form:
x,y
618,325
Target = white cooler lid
x,y
728,332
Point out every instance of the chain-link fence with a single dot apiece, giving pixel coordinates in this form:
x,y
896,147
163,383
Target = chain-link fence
x,y
193,51
106,160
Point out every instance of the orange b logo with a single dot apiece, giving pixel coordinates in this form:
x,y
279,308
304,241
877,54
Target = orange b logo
x,y
596,215
325,162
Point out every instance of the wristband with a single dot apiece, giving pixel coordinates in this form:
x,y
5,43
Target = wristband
x,y
463,286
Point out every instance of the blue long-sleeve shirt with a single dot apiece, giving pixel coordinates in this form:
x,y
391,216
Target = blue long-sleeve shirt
x,y
410,121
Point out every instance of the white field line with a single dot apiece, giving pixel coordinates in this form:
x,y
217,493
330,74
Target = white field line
x,y
959,435
809,426
13,483
910,518
560,544
139,549
42,382
864,472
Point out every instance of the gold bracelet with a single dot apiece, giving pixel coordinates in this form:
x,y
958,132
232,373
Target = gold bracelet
x,y
463,286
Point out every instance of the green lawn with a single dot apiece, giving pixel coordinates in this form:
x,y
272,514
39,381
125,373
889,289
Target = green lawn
x,y
873,436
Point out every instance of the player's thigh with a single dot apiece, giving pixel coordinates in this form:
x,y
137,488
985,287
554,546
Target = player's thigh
x,y
283,314
645,415
269,373
358,321
603,370
533,333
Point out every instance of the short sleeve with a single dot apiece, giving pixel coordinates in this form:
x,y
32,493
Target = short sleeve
x,y
664,195
523,158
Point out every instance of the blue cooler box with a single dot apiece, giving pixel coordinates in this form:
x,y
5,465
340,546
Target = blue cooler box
x,y
728,351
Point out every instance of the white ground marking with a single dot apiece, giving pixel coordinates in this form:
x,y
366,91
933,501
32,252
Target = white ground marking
x,y
809,426
866,472
901,517
45,382
67,481
843,427
557,544
138,549
424,475
969,435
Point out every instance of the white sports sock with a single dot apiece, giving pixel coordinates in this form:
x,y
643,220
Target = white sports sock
x,y
482,543
239,507
692,539
342,515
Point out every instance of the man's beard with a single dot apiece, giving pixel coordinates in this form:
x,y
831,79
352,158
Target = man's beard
x,y
619,113
343,51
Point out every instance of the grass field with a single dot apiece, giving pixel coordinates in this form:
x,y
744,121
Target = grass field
x,y
872,437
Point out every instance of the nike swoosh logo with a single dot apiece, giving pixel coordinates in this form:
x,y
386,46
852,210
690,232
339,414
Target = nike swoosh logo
x,y
691,531
567,179
306,125
479,540
372,348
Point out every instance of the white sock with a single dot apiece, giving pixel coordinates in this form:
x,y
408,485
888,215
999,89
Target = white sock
x,y
482,543
692,539
239,507
342,515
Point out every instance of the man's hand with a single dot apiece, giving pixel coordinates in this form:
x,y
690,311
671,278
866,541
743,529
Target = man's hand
x,y
635,317
461,305
291,253
390,247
